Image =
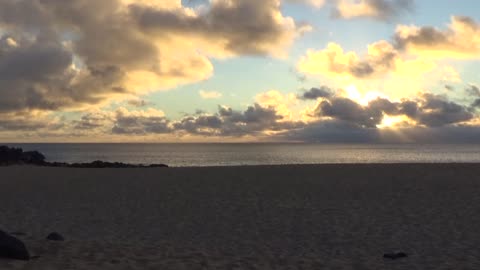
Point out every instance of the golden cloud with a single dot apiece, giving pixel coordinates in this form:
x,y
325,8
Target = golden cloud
x,y
381,59
460,40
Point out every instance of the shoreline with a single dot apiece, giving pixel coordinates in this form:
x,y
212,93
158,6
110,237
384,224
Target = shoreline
x,y
162,166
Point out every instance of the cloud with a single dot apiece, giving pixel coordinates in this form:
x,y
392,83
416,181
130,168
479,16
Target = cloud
x,y
460,40
210,94
150,121
436,111
316,93
336,131
334,119
315,3
93,52
26,122
138,103
92,121
283,104
350,111
381,58
473,90
332,131
200,125
230,27
476,103
254,121
378,9
383,68
427,118
428,110
384,10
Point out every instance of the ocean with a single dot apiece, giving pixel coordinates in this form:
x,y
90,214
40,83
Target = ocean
x,y
194,155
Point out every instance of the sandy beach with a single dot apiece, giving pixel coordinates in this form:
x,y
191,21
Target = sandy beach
x,y
264,217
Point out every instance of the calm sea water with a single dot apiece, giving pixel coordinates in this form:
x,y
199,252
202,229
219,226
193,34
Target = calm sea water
x,y
180,155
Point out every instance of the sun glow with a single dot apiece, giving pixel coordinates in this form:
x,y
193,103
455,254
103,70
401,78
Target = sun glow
x,y
354,94
393,121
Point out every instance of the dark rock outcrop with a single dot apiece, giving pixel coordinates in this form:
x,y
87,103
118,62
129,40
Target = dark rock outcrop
x,y
395,255
16,156
12,248
54,236
18,233
33,157
103,164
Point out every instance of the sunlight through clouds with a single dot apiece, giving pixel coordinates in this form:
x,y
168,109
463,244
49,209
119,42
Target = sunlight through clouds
x,y
227,70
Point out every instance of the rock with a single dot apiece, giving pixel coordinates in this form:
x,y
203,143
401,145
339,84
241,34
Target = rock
x,y
33,157
10,156
12,248
103,164
54,236
16,156
158,166
18,233
395,255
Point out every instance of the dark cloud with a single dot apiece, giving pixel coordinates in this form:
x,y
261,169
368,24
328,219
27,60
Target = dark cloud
x,y
135,124
338,120
436,111
473,90
228,122
24,126
476,103
332,131
91,121
32,75
426,36
37,64
200,125
349,111
247,27
26,122
315,93
253,121
429,110
337,131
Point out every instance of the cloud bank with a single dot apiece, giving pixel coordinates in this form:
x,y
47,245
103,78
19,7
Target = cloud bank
x,y
58,55
97,60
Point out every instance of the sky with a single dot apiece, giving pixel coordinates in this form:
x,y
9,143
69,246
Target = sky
x,y
327,71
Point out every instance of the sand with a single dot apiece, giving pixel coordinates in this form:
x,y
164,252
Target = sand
x,y
266,217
